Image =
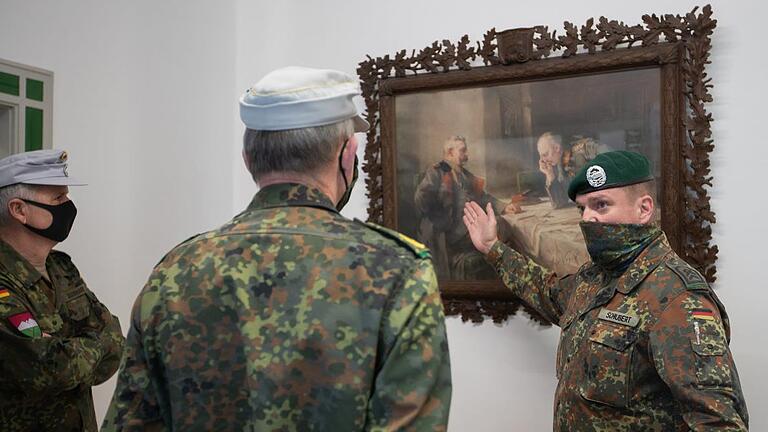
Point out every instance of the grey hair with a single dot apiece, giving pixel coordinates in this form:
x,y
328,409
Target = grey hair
x,y
552,137
7,193
452,142
294,150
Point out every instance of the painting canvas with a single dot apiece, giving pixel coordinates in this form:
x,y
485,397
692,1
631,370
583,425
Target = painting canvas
x,y
515,146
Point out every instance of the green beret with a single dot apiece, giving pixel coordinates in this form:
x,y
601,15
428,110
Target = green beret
x,y
609,170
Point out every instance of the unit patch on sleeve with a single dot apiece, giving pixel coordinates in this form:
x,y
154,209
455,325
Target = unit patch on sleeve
x,y
26,324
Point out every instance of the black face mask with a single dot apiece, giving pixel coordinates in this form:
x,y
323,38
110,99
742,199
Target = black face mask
x,y
63,218
347,185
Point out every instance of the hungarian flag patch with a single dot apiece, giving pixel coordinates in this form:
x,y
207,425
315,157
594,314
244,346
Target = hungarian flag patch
x,y
26,324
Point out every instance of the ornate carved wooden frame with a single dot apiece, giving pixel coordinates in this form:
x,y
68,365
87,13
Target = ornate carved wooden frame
x,y
678,45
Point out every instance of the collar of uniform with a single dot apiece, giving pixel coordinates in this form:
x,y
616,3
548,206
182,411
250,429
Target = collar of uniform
x,y
291,195
17,267
644,264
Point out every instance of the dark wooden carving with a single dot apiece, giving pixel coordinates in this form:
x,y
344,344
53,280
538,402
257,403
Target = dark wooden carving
x,y
516,45
679,44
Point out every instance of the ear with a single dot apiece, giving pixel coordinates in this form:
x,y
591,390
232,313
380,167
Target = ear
x,y
645,208
18,210
348,156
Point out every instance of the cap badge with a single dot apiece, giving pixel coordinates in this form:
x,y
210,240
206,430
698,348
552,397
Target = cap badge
x,y
596,176
63,157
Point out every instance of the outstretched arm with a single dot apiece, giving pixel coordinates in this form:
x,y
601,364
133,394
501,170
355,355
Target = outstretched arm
x,y
532,283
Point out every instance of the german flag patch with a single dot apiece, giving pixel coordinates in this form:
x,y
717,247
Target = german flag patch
x,y
703,314
4,293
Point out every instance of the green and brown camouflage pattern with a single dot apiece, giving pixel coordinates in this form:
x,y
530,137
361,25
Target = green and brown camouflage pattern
x,y
288,318
46,381
614,247
654,362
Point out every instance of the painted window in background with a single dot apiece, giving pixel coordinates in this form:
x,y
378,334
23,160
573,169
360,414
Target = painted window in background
x,y
26,104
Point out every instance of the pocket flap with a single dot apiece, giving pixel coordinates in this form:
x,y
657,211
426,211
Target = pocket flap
x,y
613,336
709,346
79,307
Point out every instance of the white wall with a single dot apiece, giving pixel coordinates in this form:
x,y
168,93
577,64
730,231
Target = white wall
x,y
504,375
142,102
145,100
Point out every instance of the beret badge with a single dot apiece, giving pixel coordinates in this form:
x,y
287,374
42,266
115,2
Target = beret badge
x,y
596,176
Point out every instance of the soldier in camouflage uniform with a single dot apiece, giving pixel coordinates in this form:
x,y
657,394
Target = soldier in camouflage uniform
x,y
56,339
290,317
644,339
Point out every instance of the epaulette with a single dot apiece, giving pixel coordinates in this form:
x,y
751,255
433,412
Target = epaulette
x,y
692,279
417,248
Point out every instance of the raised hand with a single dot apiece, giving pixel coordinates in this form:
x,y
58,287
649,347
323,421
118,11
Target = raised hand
x,y
481,226
548,170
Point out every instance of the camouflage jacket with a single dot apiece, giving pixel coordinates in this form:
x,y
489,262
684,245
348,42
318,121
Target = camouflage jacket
x,y
287,318
56,341
647,350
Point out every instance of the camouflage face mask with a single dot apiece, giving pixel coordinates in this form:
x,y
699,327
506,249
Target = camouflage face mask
x,y
615,246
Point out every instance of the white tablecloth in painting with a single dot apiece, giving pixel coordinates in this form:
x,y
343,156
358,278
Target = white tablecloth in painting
x,y
551,237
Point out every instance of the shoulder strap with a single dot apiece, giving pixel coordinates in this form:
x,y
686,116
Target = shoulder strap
x,y
692,279
417,248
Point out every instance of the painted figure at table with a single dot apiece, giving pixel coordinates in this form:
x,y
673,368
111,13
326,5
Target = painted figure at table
x,y
440,198
559,166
